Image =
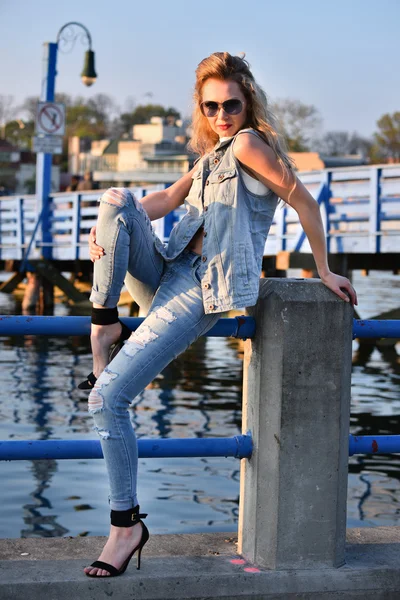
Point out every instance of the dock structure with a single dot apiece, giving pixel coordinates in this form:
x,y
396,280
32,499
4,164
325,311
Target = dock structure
x,y
360,209
292,540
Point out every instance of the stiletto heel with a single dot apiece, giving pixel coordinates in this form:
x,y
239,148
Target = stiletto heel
x,y
138,557
124,518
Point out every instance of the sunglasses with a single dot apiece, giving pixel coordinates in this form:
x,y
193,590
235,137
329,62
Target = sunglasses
x,y
209,108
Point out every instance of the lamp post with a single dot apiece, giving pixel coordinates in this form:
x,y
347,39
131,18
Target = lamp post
x,y
66,35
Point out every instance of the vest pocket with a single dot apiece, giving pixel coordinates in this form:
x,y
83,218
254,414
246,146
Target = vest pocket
x,y
223,183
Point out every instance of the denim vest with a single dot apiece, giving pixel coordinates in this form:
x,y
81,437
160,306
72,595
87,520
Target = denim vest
x,y
236,224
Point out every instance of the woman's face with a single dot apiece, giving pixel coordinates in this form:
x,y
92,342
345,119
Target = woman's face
x,y
224,123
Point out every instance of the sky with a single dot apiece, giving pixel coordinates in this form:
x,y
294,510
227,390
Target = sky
x,y
340,56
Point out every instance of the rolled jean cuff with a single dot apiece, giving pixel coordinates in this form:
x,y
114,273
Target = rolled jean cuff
x,y
103,299
122,504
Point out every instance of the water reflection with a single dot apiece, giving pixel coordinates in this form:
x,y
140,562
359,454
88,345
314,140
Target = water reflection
x,y
198,395
38,524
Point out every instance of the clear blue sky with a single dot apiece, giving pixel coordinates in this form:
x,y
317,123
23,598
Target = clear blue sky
x,y
339,55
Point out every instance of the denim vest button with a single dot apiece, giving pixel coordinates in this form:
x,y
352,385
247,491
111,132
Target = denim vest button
x,y
204,258
207,182
216,161
206,286
211,307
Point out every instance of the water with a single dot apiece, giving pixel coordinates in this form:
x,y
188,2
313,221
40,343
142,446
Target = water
x,y
199,395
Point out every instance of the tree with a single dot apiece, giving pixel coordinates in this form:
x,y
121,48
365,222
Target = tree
x,y
29,107
333,143
85,120
144,112
336,143
104,105
388,137
8,111
19,133
299,122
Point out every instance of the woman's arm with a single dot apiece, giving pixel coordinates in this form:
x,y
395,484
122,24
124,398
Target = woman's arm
x,y
261,161
159,204
156,204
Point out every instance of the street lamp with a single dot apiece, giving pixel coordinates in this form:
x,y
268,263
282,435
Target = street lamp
x,y
65,36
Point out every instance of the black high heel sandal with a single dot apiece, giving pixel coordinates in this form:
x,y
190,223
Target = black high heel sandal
x,y
124,518
90,380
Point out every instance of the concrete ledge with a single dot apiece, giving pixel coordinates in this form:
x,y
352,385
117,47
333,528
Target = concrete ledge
x,y
199,567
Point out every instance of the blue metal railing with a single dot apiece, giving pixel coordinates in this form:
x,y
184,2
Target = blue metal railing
x,y
363,328
239,327
239,446
374,444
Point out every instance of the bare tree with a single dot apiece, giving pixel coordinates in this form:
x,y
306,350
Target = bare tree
x,y
29,107
334,143
300,122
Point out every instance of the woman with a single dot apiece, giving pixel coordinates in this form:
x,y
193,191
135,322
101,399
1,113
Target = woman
x,y
212,264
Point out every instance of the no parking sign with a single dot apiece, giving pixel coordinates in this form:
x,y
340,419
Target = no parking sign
x,y
50,118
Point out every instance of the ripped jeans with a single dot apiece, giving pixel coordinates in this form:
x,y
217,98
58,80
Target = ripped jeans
x,y
171,293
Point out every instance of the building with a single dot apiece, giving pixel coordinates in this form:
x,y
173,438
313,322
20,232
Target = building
x,y
313,161
157,153
18,171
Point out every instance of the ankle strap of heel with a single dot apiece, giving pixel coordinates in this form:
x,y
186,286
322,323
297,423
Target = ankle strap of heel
x,y
127,518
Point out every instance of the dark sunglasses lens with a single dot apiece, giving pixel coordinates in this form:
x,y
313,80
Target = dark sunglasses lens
x,y
232,107
209,109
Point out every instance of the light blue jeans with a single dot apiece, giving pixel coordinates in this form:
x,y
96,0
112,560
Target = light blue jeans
x,y
171,292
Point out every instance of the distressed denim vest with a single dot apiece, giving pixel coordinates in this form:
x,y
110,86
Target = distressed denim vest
x,y
236,224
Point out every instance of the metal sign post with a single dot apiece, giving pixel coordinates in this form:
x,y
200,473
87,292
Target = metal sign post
x,y
50,118
44,158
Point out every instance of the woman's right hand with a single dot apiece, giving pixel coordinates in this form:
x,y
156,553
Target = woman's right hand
x,y
95,251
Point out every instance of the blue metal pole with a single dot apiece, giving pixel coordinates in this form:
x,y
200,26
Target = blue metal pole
x,y
328,208
239,446
240,327
370,444
44,161
376,329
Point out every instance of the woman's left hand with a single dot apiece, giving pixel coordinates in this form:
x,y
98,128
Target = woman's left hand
x,y
338,284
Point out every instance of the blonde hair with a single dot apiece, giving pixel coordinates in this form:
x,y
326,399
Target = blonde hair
x,y
224,66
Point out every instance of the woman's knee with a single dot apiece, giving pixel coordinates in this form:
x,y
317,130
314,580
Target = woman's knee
x,y
96,401
105,394
119,197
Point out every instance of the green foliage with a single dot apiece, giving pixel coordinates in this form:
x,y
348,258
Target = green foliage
x,y
144,112
19,133
388,136
99,117
85,121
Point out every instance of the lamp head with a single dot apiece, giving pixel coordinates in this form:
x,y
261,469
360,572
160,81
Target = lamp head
x,y
88,74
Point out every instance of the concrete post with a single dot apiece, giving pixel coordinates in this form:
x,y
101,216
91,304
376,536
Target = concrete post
x,y
296,404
